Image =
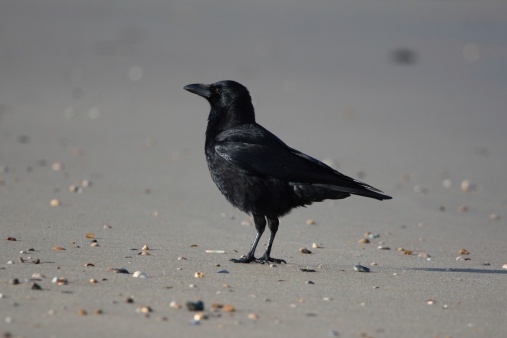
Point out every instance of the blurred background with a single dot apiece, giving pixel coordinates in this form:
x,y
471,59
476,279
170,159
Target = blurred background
x,y
380,88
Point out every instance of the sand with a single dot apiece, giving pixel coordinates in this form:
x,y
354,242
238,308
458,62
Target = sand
x,y
97,88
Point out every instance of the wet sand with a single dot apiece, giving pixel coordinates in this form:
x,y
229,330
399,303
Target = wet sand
x,y
409,98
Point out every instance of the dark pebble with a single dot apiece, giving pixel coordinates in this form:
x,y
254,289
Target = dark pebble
x,y
36,286
195,306
15,281
307,270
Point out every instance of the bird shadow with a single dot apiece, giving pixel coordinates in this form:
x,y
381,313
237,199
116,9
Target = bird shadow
x,y
485,271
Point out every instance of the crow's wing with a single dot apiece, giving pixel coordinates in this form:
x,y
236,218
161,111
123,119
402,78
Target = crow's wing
x,y
256,150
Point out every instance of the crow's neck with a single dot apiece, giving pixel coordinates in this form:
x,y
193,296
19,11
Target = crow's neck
x,y
226,118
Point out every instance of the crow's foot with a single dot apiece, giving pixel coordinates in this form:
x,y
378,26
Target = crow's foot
x,y
265,260
245,259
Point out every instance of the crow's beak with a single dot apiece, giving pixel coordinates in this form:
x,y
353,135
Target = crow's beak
x,y
199,89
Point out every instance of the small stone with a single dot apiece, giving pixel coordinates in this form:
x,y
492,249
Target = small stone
x,y
430,302
93,281
408,252
360,268
129,300
223,271
228,308
86,183
21,260
58,248
74,188
376,287
57,166
198,275
192,286
107,226
82,312
200,316
373,263
372,236
89,264
55,202
310,282
175,305
193,245
10,262
363,241
316,246
144,309
11,239
145,248
463,252
253,316
195,306
118,270
181,258
304,250
504,266
144,253
94,245
310,221
97,312
89,235
273,265
463,208
423,255
467,186
38,275
139,274
380,247
14,281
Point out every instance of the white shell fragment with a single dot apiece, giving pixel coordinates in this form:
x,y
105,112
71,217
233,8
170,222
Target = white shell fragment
x,y
140,274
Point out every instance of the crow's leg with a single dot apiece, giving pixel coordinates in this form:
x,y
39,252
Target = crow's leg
x,y
260,225
273,227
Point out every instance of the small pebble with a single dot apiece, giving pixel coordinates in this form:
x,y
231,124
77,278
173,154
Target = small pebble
x,y
192,286
145,248
14,281
310,221
307,270
139,274
423,255
430,302
86,183
55,202
11,239
82,312
467,186
380,247
93,281
273,265
57,166
195,306
38,275
193,245
304,250
253,316
372,236
316,246
363,241
144,309
129,300
181,258
175,305
89,264
504,266
228,308
36,261
463,208
10,262
463,252
97,311
200,316
310,282
222,271
360,268
107,226
95,244
21,260
57,248
89,235
144,253
198,275
118,270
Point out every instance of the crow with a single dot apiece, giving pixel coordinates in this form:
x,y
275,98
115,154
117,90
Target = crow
x,y
257,172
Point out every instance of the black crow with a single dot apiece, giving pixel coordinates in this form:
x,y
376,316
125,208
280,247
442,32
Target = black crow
x,y
257,172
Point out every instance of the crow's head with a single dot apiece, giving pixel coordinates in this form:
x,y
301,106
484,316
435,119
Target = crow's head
x,y
230,101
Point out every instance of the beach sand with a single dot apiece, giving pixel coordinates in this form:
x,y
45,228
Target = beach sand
x,y
409,98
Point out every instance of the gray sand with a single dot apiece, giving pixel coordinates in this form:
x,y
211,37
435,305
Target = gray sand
x,y
97,87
